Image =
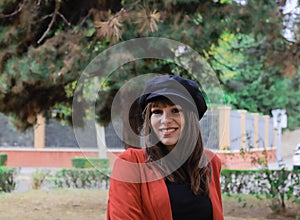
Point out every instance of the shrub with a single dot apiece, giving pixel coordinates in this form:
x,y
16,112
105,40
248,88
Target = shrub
x,y
3,159
7,179
275,185
260,181
39,177
85,178
101,163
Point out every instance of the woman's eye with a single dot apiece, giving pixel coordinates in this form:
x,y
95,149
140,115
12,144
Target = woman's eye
x,y
156,111
176,110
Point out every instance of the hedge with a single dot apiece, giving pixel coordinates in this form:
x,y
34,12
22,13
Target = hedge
x,y
85,178
232,181
101,163
260,181
7,179
3,159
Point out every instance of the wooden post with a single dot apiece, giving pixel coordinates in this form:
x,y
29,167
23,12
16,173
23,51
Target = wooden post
x,y
266,138
224,127
243,128
39,132
255,129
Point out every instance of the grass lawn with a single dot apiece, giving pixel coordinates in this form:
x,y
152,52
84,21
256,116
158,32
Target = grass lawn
x,y
54,204
251,208
78,204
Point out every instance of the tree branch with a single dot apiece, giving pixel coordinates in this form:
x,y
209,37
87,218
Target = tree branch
x,y
21,5
64,19
125,9
55,13
84,19
46,16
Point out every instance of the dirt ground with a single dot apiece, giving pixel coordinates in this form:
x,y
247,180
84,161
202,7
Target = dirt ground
x,y
58,204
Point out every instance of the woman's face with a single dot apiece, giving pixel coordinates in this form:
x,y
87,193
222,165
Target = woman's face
x,y
167,122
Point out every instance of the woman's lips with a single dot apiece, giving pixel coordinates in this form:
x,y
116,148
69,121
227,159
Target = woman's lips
x,y
168,131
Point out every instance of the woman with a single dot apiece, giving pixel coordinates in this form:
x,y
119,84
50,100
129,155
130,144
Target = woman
x,y
175,178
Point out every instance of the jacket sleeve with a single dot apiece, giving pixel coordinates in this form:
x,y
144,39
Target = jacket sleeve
x,y
124,201
217,178
215,185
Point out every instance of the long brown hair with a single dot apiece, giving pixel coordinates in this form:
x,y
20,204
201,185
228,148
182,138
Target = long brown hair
x,y
195,168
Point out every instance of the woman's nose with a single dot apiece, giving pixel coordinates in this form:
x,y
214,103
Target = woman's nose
x,y
165,117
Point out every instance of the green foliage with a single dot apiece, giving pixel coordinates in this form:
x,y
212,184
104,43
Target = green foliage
x,y
7,179
3,159
249,80
82,178
292,107
257,90
100,163
225,1
281,189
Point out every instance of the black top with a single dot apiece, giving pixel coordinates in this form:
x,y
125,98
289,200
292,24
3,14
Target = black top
x,y
186,205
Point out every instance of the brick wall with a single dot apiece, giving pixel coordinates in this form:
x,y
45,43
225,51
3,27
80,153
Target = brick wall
x,y
61,158
236,160
51,158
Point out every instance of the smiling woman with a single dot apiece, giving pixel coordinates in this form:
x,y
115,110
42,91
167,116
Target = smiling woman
x,y
187,176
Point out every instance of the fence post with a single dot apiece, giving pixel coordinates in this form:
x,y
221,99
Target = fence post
x,y
243,128
39,132
266,138
224,127
255,129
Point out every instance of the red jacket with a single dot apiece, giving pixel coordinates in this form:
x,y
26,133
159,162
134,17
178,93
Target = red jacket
x,y
133,198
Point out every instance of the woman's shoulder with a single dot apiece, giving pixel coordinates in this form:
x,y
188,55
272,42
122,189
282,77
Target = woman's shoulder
x,y
126,167
133,155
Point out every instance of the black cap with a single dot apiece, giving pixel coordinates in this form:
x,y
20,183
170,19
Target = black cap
x,y
174,87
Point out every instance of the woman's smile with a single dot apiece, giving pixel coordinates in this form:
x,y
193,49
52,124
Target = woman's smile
x,y
168,131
